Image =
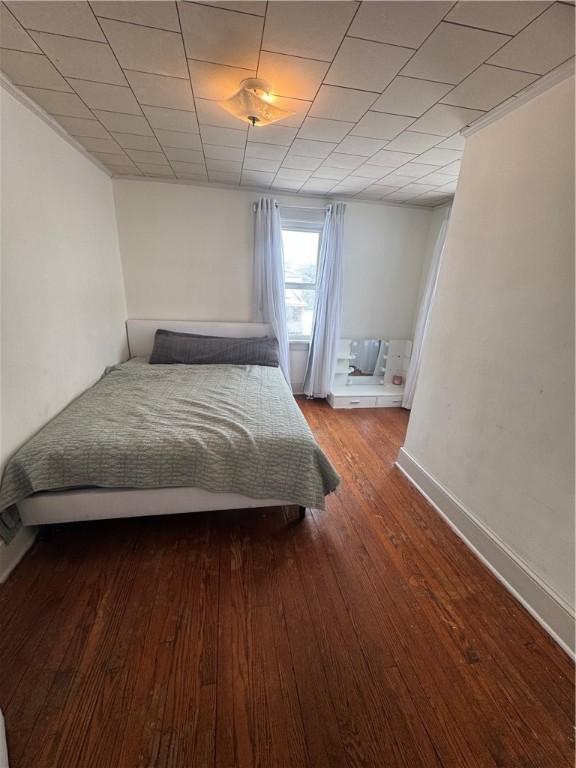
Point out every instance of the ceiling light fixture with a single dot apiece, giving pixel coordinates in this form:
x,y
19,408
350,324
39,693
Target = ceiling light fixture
x,y
253,104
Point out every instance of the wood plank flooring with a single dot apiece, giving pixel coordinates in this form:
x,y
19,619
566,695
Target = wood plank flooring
x,y
367,636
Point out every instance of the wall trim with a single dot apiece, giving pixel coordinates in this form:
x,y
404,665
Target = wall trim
x,y
557,75
11,554
549,609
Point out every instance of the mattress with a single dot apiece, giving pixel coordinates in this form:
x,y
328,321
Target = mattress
x,y
222,428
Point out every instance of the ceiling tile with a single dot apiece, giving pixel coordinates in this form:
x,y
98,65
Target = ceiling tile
x,y
226,137
146,49
120,162
409,96
299,108
436,178
216,81
391,159
371,171
223,153
227,166
355,183
151,169
410,141
31,69
80,126
301,163
292,186
290,75
192,176
416,170
160,91
178,139
487,87
367,65
58,102
341,103
308,148
273,134
222,177
444,120
171,119
357,145
141,156
399,23
319,129
329,172
318,185
413,190
452,168
395,197
543,45
13,35
338,160
293,174
211,113
130,141
379,125
454,142
66,18
257,164
452,52
397,178
265,151
198,169
258,8
310,30
124,123
81,58
114,98
504,16
439,156
151,14
220,36
100,145
257,177
186,155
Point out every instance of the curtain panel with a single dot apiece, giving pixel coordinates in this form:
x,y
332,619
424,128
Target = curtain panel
x,y
327,306
268,293
424,316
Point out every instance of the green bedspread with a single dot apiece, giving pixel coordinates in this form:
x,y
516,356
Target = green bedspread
x,y
221,428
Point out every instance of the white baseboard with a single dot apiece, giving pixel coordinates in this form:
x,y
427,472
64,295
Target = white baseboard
x,y
11,554
549,609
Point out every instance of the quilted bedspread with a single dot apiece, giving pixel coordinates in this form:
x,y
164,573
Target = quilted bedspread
x,y
223,428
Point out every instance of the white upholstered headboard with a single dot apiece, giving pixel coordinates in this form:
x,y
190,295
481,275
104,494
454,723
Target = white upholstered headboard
x,y
141,332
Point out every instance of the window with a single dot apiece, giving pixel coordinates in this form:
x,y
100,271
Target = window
x,y
300,266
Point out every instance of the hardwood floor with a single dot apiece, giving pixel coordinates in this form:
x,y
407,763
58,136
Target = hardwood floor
x,y
367,635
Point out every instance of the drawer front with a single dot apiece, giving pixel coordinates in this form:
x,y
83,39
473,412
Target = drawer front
x,y
389,401
354,402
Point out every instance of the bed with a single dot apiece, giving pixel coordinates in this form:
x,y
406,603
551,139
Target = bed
x,y
165,439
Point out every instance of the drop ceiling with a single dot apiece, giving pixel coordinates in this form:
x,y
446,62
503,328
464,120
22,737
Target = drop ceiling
x,y
379,91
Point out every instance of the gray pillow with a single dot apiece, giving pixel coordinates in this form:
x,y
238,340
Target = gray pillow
x,y
193,349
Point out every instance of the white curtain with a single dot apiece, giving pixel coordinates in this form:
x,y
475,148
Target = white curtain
x,y
424,316
269,297
327,306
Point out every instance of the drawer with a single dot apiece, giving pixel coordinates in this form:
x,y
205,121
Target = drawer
x,y
389,401
352,401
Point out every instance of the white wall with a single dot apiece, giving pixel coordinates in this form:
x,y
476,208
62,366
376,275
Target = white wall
x,y
187,253
493,416
63,305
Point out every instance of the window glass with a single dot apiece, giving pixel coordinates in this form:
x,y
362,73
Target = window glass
x,y
300,267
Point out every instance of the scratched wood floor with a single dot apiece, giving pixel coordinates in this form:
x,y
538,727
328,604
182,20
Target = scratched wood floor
x,y
368,635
